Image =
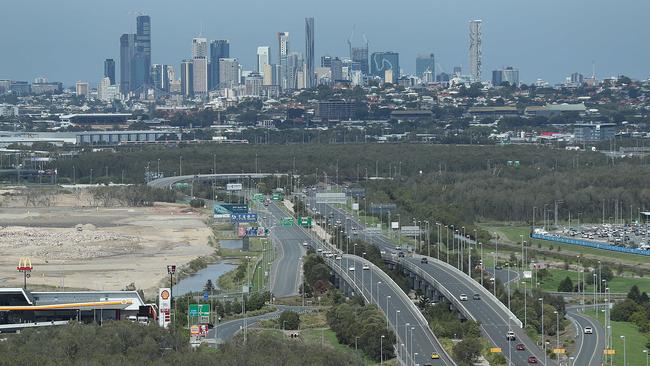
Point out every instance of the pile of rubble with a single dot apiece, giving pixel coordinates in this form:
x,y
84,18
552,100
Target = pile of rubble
x,y
80,242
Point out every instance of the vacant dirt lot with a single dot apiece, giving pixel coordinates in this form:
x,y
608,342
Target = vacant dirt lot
x,y
98,248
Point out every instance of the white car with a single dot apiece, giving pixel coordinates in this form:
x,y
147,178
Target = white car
x,y
510,336
304,244
329,255
351,269
463,297
338,258
589,330
365,267
319,250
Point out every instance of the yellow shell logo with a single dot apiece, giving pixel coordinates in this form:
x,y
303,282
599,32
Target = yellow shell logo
x,y
164,295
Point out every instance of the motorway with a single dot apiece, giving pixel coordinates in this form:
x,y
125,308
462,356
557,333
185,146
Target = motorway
x,y
286,270
494,318
168,182
589,345
417,335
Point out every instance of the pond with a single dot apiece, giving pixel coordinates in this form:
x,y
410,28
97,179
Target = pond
x,y
231,244
197,281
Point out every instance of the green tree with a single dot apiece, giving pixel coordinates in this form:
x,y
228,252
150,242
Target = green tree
x,y
467,351
289,320
566,285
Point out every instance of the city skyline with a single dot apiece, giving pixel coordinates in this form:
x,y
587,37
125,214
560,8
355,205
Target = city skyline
x,y
539,51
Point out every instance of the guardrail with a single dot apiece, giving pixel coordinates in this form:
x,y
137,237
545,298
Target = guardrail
x,y
482,289
591,244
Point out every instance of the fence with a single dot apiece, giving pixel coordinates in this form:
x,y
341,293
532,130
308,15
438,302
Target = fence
x,y
591,244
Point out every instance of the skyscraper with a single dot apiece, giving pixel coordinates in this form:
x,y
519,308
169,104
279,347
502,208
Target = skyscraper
x,y
262,58
228,72
109,70
143,49
424,63
187,78
475,53
219,49
160,77
360,55
508,74
135,56
127,63
382,61
309,53
283,52
200,66
336,69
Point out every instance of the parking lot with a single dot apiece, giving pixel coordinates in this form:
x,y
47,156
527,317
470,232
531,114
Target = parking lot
x,y
628,235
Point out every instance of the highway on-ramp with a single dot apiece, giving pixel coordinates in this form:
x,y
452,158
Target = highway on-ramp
x,y
590,346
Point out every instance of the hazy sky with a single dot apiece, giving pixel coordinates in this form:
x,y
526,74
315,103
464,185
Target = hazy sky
x,y
67,40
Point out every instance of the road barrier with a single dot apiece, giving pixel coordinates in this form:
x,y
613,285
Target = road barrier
x,y
590,244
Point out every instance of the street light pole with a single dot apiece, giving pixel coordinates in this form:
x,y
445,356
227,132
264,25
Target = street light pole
x,y
381,349
624,351
387,298
543,338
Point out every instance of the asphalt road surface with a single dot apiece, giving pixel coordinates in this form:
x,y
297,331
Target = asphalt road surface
x,y
286,270
590,346
494,321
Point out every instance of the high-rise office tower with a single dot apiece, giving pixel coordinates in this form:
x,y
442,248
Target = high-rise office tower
x,y
475,53
135,56
382,61
228,72
326,61
127,63
336,69
109,70
508,74
424,63
283,52
160,76
200,66
81,89
309,75
187,78
295,64
458,71
360,55
263,53
200,47
143,49
269,75
219,49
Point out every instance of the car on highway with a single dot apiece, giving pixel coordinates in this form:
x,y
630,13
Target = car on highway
x,y
532,359
398,248
476,297
589,330
511,336
351,268
319,250
520,347
338,257
462,297
424,260
435,356
400,254
304,244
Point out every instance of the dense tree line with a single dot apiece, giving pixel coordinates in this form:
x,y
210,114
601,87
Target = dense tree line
x,y
451,184
125,343
635,309
365,325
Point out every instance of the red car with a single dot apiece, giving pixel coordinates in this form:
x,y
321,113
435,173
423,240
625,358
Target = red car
x,y
532,359
521,347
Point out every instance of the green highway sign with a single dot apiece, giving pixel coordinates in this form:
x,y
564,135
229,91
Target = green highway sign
x,y
277,196
258,197
305,222
287,221
199,310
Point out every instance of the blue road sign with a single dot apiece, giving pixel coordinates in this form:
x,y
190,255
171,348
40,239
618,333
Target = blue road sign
x,y
205,296
243,217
